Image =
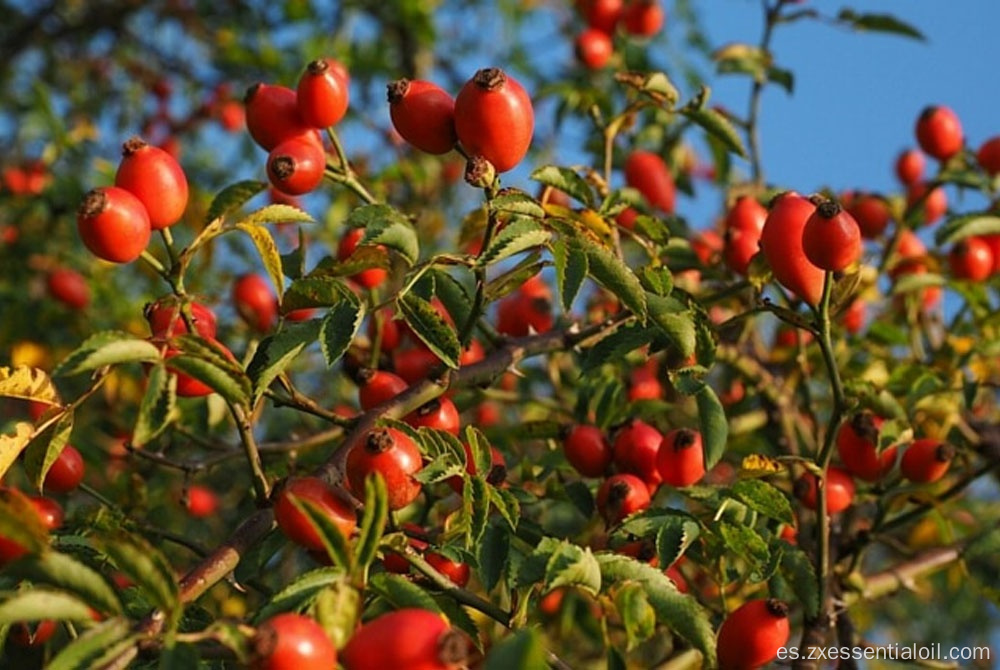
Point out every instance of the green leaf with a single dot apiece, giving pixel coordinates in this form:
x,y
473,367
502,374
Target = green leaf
x,y
40,604
573,566
522,650
106,638
616,346
276,213
507,505
719,126
268,250
458,617
334,542
453,296
316,291
882,23
44,448
572,266
276,352
763,498
676,321
387,226
232,198
207,362
657,280
782,77
966,225
674,538
517,202
401,592
798,570
339,327
373,521
20,523
565,180
680,612
158,408
141,562
613,274
638,616
299,593
337,608
912,282
512,279
742,540
430,327
67,574
179,656
713,424
476,495
492,554
519,235
107,348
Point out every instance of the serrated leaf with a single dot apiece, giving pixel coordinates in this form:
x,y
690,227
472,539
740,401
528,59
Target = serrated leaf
x,y
675,321
966,225
614,275
719,126
616,346
572,266
763,498
680,612
207,362
507,505
81,653
141,562
64,573
657,280
387,226
638,616
11,445
519,235
882,23
458,617
316,291
517,202
338,329
573,566
107,348
28,383
798,570
452,295
233,197
373,521
334,542
522,650
158,408
492,554
276,352
713,424
299,592
275,213
430,327
401,592
742,540
44,449
476,498
337,608
513,279
267,249
565,180
674,537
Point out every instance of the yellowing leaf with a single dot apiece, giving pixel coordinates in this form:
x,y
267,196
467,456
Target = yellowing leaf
x,y
756,465
28,383
12,445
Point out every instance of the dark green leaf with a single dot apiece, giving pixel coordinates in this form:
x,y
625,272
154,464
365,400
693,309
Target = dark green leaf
x,y
613,274
616,346
514,278
571,265
565,180
519,235
432,330
83,653
339,326
232,198
782,77
714,425
158,408
107,348
764,499
517,202
882,23
719,126
798,570
507,505
276,352
209,363
676,322
44,448
742,540
316,291
476,492
522,650
638,616
373,521
492,553
674,538
387,226
453,296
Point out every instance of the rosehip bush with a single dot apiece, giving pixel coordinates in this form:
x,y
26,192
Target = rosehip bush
x,y
341,377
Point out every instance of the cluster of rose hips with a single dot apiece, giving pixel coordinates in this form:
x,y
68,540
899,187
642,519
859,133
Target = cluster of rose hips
x,y
286,123
491,117
594,45
150,193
